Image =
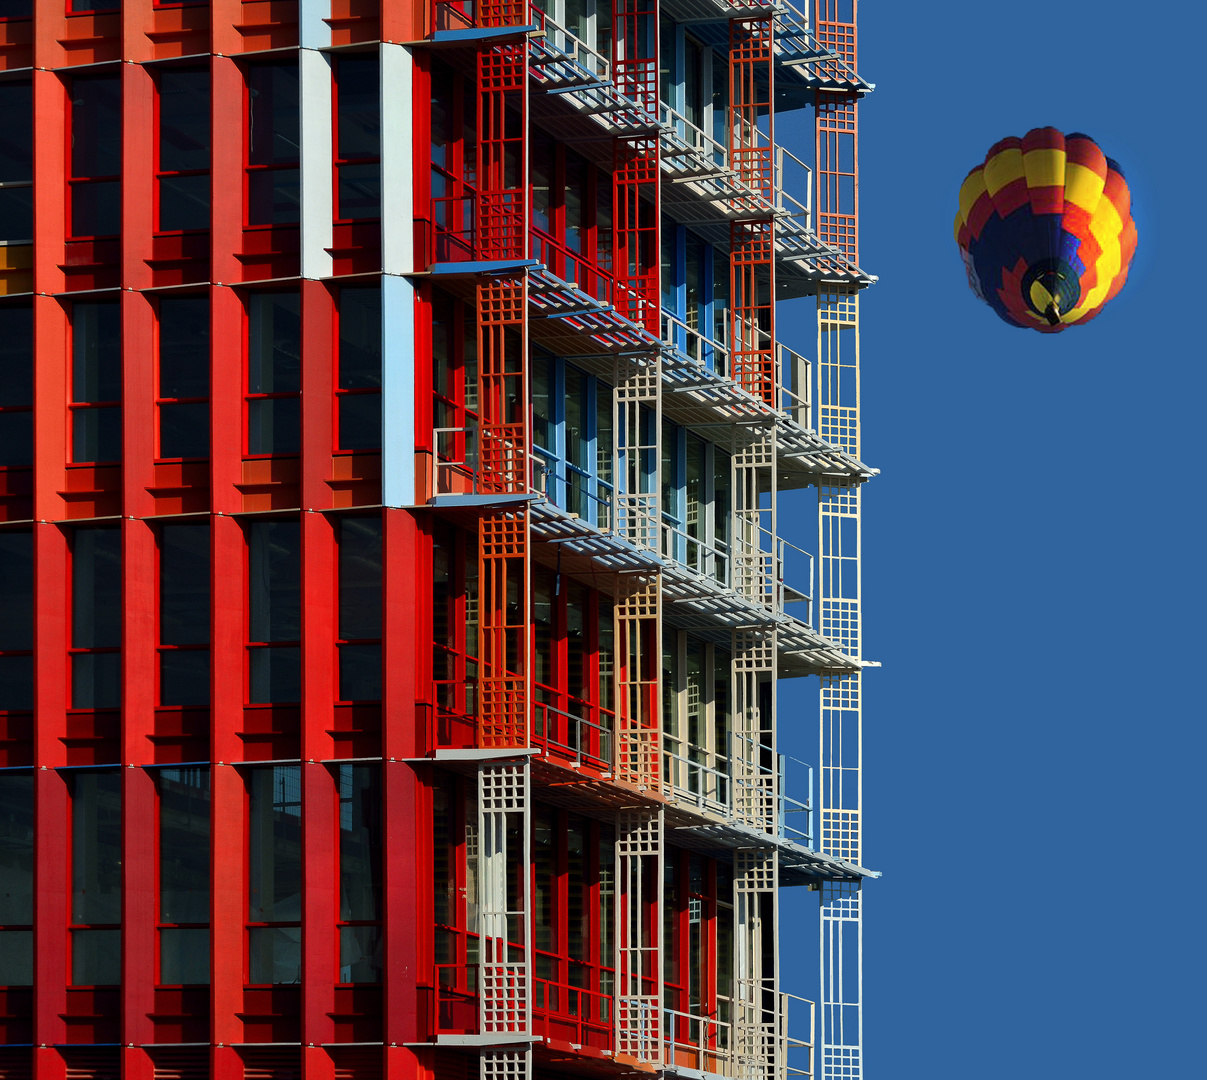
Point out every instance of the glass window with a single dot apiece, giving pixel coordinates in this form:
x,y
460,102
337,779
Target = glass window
x,y
16,162
184,875
96,618
360,609
16,878
275,611
184,149
274,373
96,876
184,377
96,381
16,385
96,157
360,874
184,615
359,387
273,145
275,874
16,622
358,138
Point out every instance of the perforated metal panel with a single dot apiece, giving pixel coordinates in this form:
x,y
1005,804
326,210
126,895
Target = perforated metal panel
x,y
755,784
639,855
756,989
639,649
504,827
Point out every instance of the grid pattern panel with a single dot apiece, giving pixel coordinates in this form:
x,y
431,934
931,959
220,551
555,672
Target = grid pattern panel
x,y
636,191
505,1065
637,408
502,128
638,639
639,922
754,540
752,245
502,385
756,1005
755,787
503,592
839,586
635,60
503,801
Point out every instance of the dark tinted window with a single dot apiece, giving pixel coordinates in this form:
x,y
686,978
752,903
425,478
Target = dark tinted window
x,y
274,366
184,372
275,609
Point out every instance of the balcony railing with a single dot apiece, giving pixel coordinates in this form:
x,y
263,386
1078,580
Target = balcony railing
x,y
575,737
701,1043
796,1053
694,553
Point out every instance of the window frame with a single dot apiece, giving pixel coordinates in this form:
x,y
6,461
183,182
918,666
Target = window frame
x,y
162,647
342,393
160,923
251,644
338,161
342,924
249,168
74,182
12,410
29,926
248,396
84,650
77,408
69,774
160,173
340,640
14,185
160,400
248,772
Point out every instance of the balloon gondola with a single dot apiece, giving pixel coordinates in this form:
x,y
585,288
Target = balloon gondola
x,y
1045,229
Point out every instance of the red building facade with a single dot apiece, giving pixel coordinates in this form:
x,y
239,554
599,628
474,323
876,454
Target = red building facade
x,y
307,304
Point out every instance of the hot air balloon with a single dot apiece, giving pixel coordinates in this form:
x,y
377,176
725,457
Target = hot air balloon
x,y
1045,229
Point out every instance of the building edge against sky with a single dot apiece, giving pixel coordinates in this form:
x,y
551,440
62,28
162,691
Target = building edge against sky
x,y
306,304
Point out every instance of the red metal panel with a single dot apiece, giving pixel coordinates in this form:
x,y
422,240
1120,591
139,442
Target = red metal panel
x,y
138,909
226,170
406,825
50,178
406,614
503,613
227,827
138,175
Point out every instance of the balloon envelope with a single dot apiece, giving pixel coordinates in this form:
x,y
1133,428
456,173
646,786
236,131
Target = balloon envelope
x,y
1045,229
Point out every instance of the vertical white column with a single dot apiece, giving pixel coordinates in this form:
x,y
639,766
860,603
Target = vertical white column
x,y
314,77
397,391
397,164
397,292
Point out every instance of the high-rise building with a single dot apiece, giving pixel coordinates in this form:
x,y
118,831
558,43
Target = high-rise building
x,y
392,589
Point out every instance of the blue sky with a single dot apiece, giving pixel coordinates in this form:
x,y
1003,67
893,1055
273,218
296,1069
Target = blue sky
x,y
1033,571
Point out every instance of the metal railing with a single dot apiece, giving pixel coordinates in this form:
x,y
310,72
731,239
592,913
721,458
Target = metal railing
x,y
796,387
702,1043
575,269
574,737
694,344
571,491
694,782
802,1065
795,815
571,47
695,553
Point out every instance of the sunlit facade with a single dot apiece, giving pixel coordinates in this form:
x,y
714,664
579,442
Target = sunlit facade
x,y
392,588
